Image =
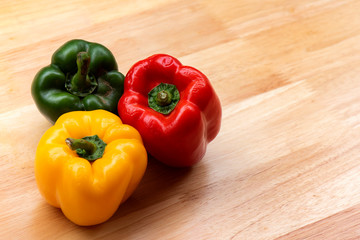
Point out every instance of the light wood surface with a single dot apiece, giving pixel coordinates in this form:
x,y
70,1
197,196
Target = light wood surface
x,y
286,163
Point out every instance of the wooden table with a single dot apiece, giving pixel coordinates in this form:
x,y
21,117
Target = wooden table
x,y
286,163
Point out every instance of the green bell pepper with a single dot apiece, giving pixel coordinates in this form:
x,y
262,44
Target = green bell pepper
x,y
82,76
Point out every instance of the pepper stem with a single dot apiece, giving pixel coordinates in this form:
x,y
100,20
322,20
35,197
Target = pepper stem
x,y
85,146
82,83
83,63
90,148
163,98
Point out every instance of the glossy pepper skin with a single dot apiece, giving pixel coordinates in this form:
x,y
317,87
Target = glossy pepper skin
x,y
177,138
75,82
89,192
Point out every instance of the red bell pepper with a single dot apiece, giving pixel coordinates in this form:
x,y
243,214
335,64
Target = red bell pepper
x,y
174,107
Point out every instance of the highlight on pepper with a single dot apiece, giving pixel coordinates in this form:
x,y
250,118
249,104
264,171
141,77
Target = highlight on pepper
x,y
174,107
89,163
82,76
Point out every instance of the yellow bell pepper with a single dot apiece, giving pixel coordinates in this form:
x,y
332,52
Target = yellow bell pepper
x,y
89,191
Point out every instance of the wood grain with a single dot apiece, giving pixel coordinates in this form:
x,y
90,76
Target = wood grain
x,y
286,163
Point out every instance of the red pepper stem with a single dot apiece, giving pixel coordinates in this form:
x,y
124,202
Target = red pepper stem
x,y
163,98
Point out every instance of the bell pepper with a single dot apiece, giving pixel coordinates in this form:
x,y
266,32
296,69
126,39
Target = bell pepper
x,y
174,107
88,163
82,76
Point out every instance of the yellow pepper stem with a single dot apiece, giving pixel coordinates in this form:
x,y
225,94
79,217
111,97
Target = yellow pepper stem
x,y
90,148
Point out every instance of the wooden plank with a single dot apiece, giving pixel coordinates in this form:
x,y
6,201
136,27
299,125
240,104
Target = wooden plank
x,y
331,227
285,164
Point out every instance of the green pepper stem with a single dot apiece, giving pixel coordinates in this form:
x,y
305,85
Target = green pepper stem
x,y
81,79
84,145
83,63
81,84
